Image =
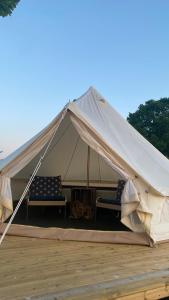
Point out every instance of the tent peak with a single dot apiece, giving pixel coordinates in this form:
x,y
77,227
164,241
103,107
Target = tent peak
x,y
90,95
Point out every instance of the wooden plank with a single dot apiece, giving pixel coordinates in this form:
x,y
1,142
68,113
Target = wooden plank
x,y
108,290
157,293
34,268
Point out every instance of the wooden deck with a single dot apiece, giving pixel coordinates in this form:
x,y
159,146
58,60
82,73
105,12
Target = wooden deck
x,y
44,269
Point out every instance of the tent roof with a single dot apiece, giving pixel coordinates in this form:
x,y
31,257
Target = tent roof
x,y
146,161
132,148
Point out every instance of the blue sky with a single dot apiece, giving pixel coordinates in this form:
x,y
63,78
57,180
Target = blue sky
x,y
52,51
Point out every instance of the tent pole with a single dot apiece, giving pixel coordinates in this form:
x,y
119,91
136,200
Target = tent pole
x,y
88,165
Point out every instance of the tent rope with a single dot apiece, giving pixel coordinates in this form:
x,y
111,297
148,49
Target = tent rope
x,y
28,185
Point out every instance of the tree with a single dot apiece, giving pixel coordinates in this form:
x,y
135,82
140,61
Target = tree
x,y
7,6
152,121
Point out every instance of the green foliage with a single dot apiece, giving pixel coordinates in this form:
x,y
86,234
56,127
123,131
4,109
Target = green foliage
x,y
152,121
7,6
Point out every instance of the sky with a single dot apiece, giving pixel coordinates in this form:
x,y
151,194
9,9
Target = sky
x,y
53,51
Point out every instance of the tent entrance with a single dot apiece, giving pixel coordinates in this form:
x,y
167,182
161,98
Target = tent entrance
x,y
79,167
71,158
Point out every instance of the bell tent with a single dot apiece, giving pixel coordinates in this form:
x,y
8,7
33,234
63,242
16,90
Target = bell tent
x,y
117,151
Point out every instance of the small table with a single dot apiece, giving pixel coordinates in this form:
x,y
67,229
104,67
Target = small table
x,y
83,203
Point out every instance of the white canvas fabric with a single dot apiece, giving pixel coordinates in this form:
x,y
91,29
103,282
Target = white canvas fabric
x,y
117,151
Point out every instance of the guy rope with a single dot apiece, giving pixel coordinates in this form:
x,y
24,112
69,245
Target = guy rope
x,y
29,184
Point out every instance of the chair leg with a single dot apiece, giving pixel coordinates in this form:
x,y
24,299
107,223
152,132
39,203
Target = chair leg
x,y
117,215
95,214
65,212
27,211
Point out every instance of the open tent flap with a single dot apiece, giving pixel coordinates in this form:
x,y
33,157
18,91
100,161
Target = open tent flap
x,y
6,203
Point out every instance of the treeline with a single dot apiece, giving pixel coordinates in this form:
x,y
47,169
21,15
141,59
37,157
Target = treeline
x,y
152,121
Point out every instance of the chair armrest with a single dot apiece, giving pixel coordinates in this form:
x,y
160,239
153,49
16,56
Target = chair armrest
x,y
65,198
27,197
98,198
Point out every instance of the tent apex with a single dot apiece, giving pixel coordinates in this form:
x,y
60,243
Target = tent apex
x,y
91,93
93,89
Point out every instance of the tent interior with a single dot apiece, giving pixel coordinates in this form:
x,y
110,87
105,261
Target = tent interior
x,y
68,156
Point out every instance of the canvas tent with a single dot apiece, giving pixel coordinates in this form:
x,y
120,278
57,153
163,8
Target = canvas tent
x,y
117,151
